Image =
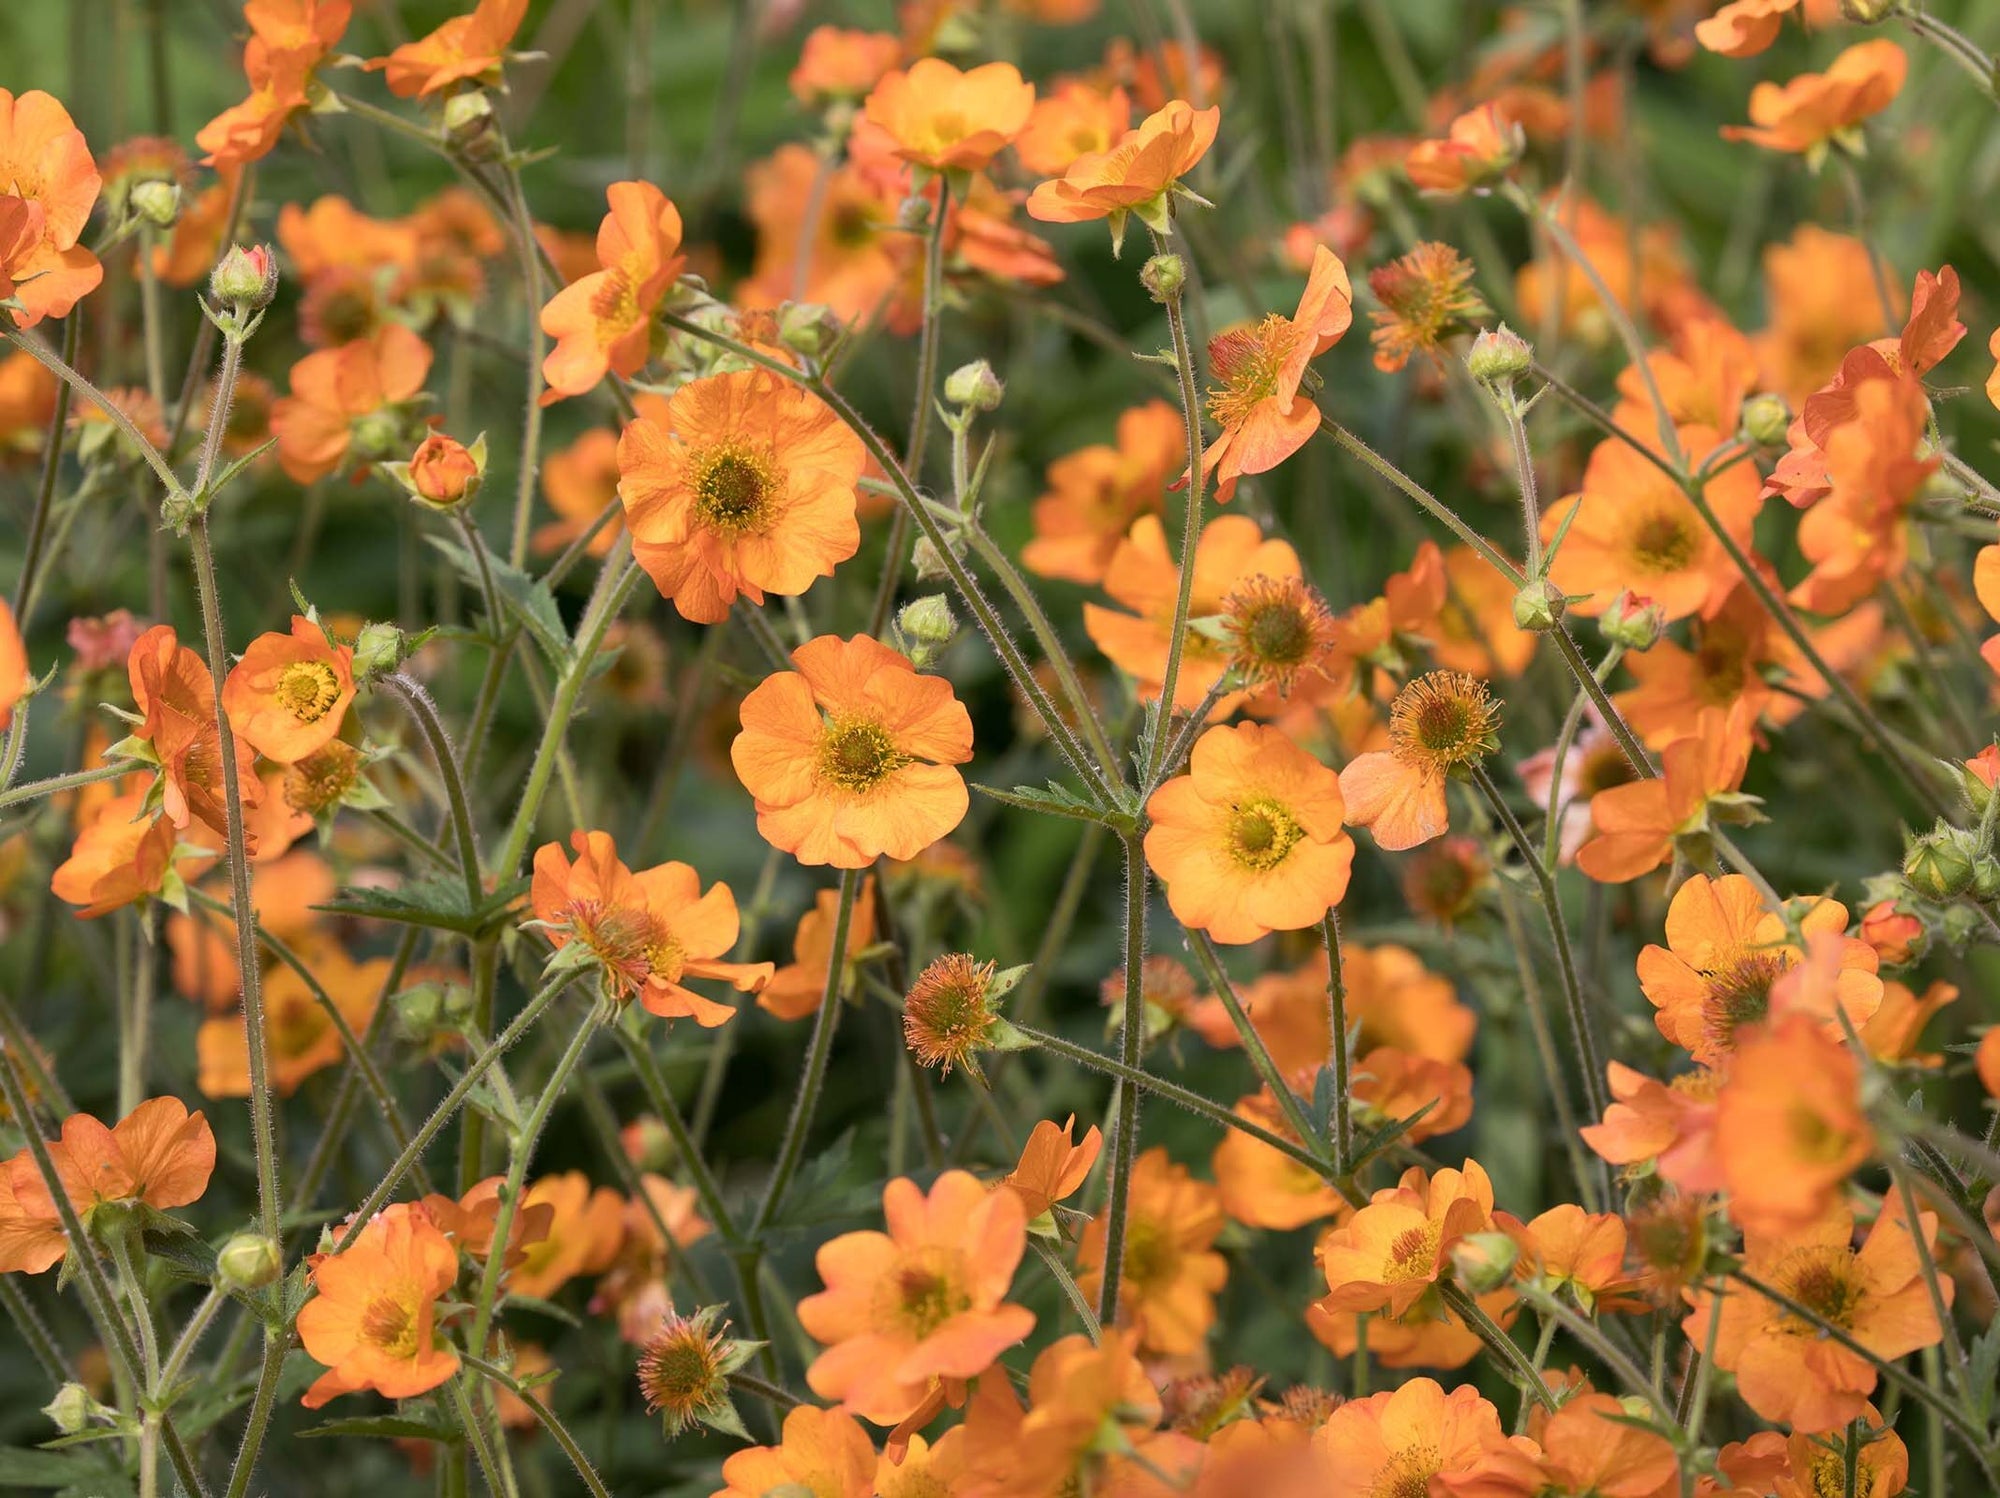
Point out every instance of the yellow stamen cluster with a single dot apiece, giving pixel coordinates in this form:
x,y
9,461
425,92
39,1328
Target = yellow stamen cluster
x,y
1443,721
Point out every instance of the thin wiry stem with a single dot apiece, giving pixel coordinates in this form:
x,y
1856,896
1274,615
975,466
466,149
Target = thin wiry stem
x,y
1124,1122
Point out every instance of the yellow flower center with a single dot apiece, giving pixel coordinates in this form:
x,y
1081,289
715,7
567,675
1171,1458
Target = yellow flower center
x,y
1662,542
1826,1281
1413,1254
1248,364
734,485
924,1291
633,944
1150,1255
615,304
308,690
1408,1473
857,755
388,1324
1262,833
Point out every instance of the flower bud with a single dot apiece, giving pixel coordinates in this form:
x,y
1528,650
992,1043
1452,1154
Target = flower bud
x,y
913,214
808,328
246,278
157,202
443,472
974,386
1498,356
468,120
1940,865
74,1409
1977,776
1634,622
420,1011
1539,606
1163,276
924,628
1897,936
648,1144
1869,12
379,649
248,1261
1986,877
927,563
1765,420
1484,1261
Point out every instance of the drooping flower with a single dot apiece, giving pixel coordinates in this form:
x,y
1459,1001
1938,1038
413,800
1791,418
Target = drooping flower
x,y
1172,1272
288,41
1440,724
1137,175
1480,147
1744,28
374,1321
747,485
649,931
923,1302
122,854
941,119
48,185
603,323
850,756
1052,1165
288,694
333,389
799,987
465,49
1258,370
1814,112
1249,841
175,695
1638,825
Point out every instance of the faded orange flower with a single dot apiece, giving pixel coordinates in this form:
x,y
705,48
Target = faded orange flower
x,y
1816,111
1639,824
1052,1165
288,41
1077,118
836,63
1789,1126
1743,28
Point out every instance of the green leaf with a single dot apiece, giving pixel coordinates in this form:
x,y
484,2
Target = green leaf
x,y
1058,801
528,599
185,1256
22,1468
388,1428
434,901
1984,1371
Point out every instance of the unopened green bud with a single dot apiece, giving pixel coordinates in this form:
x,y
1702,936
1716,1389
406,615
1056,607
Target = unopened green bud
x,y
1163,276
245,278
248,1261
419,1011
1636,623
379,649
157,202
468,120
974,386
1942,864
1484,1261
74,1409
1499,356
1765,420
924,627
913,214
1986,877
1539,606
1869,12
808,328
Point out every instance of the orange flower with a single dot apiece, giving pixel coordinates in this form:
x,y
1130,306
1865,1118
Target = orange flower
x,y
1817,1465
648,930
175,695
748,485
1671,1124
799,988
924,1302
849,757
289,39
586,1228
1591,1446
579,481
1392,1086
1426,296
944,120
1439,724
1786,1368
48,185
1249,840
288,694
1638,824
1171,1269
1407,1439
1743,28
373,1322
1575,1253
1076,120
1142,575
1817,111
1726,961
334,388
1258,372
1857,535
1263,1187
1634,529
283,892
822,1452
1084,1401
300,1036
158,1154
1393,1252
835,63
465,49
1820,287
121,855
1138,175
1052,1167
1893,1032
14,672
1703,380
1481,146
1789,1126
1096,493
604,321
443,471
854,262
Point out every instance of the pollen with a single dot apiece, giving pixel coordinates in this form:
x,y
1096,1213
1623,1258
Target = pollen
x,y
1443,721
1413,1254
1262,833
948,1011
1739,995
1278,628
615,305
1823,1280
388,1324
857,754
308,690
734,486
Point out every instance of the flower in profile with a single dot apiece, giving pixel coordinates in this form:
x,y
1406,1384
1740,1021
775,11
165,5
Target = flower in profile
x,y
850,756
288,41
941,119
584,1231
1172,1272
1426,297
1393,1252
1815,112
684,1372
1278,628
1726,964
1442,724
14,673
1052,1166
647,931
1262,1186
822,1452
1669,1126
1258,371
373,1322
175,695
1789,1127
1480,147
1410,1440
122,854
747,484
799,987
51,184
288,694
949,1013
334,389
923,1302
1640,825
1138,175
1249,841
836,64
603,322
465,49
158,1156
1787,1369
1744,28
1097,492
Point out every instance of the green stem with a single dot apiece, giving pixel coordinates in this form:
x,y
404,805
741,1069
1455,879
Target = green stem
x,y
1210,963
50,360
1072,1292
1336,1022
423,712
1586,1331
1428,502
558,1432
56,784
1495,1337
45,489
1124,1122
22,1313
